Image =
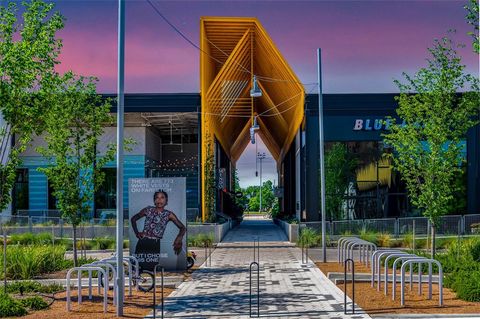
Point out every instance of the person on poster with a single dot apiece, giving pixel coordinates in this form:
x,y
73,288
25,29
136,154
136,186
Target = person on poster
x,y
156,220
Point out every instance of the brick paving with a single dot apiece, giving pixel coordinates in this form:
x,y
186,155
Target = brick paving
x,y
288,289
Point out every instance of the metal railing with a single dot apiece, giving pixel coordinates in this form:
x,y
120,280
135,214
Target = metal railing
x,y
449,225
155,290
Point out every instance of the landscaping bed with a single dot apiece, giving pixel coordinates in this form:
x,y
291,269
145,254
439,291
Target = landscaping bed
x,y
375,302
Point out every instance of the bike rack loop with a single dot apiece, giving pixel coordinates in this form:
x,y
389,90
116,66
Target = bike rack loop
x,y
79,271
345,285
373,262
128,262
440,278
155,290
396,257
364,250
379,258
108,267
254,263
394,284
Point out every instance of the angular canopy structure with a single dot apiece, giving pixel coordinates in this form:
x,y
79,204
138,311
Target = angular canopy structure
x,y
233,51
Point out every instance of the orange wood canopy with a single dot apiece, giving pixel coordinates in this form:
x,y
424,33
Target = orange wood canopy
x,y
233,50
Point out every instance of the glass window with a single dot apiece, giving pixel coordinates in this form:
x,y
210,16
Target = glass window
x,y
105,197
20,190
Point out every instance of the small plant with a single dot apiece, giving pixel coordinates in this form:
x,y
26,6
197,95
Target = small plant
x,y
308,237
383,239
407,241
368,236
10,307
475,228
34,303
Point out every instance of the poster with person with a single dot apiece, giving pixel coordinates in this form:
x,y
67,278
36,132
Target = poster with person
x,y
157,213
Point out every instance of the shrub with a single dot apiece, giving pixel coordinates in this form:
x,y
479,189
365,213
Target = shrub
x,y
10,307
475,249
383,239
368,236
34,303
103,243
407,241
30,261
466,284
308,237
31,239
33,286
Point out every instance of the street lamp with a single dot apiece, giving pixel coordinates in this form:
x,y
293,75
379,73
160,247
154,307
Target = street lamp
x,y
261,156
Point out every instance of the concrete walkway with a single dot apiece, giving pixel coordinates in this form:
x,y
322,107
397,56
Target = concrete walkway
x,y
288,289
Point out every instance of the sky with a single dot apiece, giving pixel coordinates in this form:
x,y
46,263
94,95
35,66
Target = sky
x,y
365,44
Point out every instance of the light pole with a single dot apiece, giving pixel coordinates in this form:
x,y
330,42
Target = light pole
x,y
120,123
261,156
321,151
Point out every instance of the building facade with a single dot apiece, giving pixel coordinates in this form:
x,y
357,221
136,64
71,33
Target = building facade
x,y
165,128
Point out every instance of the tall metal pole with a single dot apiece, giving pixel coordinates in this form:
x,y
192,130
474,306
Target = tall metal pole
x,y
120,105
321,149
261,156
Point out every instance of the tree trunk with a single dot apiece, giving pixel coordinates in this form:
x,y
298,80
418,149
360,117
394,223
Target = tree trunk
x,y
433,241
75,258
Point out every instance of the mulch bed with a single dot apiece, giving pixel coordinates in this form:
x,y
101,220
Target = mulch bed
x,y
375,302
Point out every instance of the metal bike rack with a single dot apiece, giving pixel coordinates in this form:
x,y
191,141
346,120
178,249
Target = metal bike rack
x,y
108,267
430,263
373,262
379,268
394,279
345,286
398,256
256,250
79,271
365,250
254,263
155,290
346,246
128,262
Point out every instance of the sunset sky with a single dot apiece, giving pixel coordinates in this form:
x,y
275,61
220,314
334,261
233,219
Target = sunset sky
x,y
365,44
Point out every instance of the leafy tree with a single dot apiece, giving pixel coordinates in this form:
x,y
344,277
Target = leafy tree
x,y
472,19
29,51
339,170
267,195
73,128
437,117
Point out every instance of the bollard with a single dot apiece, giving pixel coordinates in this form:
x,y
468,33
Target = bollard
x,y
155,290
254,263
4,259
345,286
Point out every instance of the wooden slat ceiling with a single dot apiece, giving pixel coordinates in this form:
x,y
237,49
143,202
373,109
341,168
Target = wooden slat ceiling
x,y
233,50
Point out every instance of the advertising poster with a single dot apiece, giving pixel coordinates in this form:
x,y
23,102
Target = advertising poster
x,y
157,214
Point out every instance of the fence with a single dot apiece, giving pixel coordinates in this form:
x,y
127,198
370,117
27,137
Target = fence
x,y
449,225
93,228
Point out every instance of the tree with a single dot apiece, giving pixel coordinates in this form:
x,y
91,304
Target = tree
x,y
29,51
472,19
428,146
339,171
74,126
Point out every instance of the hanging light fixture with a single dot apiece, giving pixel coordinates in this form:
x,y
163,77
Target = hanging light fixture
x,y
255,91
254,128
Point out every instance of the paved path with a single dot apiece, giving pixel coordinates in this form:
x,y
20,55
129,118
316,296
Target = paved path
x,y
288,288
